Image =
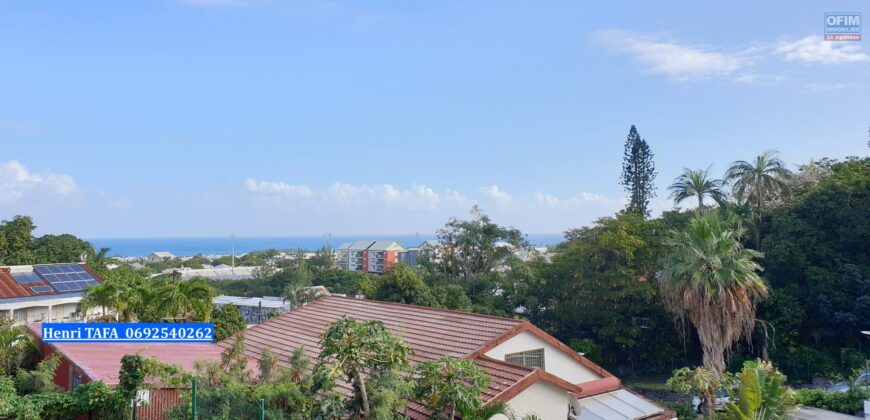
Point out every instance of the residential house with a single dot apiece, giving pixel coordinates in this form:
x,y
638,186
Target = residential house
x,y
160,256
381,256
530,370
81,363
45,292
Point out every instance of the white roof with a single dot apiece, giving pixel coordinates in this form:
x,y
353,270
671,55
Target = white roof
x,y
163,254
250,301
345,245
615,405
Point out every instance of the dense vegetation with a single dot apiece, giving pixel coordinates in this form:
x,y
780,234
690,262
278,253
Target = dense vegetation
x,y
769,265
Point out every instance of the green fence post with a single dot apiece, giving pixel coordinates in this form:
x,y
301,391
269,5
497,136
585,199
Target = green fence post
x,y
193,401
262,409
135,404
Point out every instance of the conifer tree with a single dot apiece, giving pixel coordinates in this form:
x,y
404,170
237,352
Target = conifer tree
x,y
638,173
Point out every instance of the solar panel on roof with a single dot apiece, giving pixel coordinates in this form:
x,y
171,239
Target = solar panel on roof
x,y
66,277
26,278
41,289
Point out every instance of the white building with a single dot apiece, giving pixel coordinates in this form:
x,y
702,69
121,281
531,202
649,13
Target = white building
x,y
160,256
45,292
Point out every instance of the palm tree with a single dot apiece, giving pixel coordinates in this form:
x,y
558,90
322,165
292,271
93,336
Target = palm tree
x,y
713,280
697,183
105,295
100,259
16,345
186,299
760,180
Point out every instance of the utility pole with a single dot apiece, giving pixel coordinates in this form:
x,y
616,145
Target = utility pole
x,y
233,236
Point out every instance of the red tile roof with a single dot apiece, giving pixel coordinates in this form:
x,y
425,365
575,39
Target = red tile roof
x,y
430,332
102,361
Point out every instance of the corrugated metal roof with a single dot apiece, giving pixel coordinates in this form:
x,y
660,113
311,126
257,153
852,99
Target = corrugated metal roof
x,y
12,290
616,405
101,362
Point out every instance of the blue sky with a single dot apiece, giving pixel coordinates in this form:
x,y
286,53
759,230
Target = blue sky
x,y
274,117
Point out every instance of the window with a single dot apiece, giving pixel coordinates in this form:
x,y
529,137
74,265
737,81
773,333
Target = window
x,y
530,358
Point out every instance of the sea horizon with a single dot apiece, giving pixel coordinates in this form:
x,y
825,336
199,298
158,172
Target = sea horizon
x,y
223,245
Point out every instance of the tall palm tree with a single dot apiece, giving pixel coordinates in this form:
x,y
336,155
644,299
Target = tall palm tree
x,y
186,299
105,295
711,279
761,180
697,183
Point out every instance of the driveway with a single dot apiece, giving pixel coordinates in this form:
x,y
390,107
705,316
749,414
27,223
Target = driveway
x,y
810,413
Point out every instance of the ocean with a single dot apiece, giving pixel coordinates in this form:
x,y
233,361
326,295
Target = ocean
x,y
140,247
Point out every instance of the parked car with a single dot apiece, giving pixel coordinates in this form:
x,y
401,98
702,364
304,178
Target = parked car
x,y
863,382
722,399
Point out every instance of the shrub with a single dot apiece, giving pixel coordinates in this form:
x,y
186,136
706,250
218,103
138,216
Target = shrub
x,y
849,402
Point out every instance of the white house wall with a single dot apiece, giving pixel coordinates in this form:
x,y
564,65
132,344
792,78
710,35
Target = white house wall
x,y
547,401
555,361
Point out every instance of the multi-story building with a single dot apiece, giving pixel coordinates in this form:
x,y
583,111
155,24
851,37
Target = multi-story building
x,y
46,292
351,255
411,256
381,256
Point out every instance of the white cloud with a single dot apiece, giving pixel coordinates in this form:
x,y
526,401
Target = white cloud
x,y
814,49
494,193
678,61
17,182
279,188
360,208
823,87
546,199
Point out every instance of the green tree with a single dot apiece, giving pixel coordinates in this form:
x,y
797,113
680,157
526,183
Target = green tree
x,y
371,360
188,300
60,249
700,381
711,279
600,285
402,284
16,346
699,184
469,248
638,172
817,248
446,384
106,295
18,234
761,394
40,379
763,180
227,321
